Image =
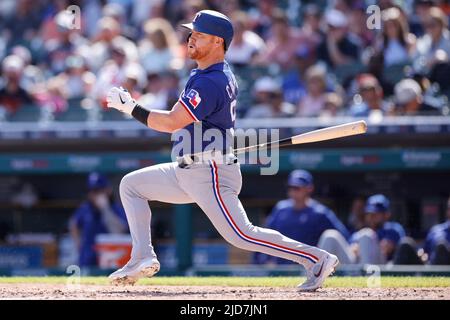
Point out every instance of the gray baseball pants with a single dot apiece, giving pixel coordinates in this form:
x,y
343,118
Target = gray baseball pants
x,y
215,188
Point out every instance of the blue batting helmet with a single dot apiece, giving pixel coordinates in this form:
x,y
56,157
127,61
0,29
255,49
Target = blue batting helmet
x,y
213,23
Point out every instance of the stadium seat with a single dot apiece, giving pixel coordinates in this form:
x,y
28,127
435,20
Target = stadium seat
x,y
394,73
344,73
74,112
26,113
111,115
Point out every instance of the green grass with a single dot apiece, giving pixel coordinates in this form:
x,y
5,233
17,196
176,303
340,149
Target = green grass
x,y
334,282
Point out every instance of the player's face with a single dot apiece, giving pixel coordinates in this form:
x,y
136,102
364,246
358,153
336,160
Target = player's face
x,y
375,220
201,44
299,193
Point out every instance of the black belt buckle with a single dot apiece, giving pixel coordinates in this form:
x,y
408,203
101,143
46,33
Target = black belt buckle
x,y
188,160
182,161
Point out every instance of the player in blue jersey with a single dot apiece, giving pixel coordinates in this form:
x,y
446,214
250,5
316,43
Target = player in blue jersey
x,y
206,105
437,243
301,217
374,244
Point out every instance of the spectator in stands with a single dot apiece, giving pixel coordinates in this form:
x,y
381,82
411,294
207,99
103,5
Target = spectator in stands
x,y
332,107
282,43
134,79
375,244
358,30
301,217
313,102
22,26
420,14
118,12
409,100
32,75
269,101
261,17
310,32
51,16
99,48
77,81
12,94
369,100
437,37
53,96
144,9
68,41
396,45
159,50
98,214
189,8
343,6
337,48
440,71
113,71
226,7
73,84
90,15
162,90
294,83
246,44
437,243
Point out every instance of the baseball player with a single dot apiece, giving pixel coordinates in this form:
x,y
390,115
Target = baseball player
x,y
208,101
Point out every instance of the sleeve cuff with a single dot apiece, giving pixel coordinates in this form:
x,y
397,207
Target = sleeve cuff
x,y
188,110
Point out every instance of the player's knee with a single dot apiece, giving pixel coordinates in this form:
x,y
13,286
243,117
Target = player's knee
x,y
367,233
328,238
125,184
236,242
331,235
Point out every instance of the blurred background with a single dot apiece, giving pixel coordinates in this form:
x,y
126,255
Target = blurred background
x,y
300,66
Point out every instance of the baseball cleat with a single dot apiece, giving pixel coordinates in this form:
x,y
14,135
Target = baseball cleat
x,y
316,275
130,273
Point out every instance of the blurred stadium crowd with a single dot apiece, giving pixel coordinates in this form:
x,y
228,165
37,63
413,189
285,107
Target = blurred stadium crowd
x,y
292,58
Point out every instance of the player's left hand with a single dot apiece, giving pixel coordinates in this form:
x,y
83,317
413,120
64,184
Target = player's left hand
x,y
120,99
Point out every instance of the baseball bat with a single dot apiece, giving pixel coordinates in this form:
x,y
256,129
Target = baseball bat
x,y
340,131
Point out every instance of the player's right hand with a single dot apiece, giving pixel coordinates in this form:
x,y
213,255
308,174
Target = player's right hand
x,y
120,99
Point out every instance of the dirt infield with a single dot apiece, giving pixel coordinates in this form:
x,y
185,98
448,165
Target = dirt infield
x,y
60,291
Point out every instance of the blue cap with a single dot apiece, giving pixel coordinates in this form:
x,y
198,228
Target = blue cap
x,y
300,178
377,203
213,23
97,181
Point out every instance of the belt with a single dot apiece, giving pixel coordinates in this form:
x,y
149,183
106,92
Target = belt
x,y
188,159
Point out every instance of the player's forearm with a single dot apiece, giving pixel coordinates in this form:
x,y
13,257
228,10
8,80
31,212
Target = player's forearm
x,y
161,120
